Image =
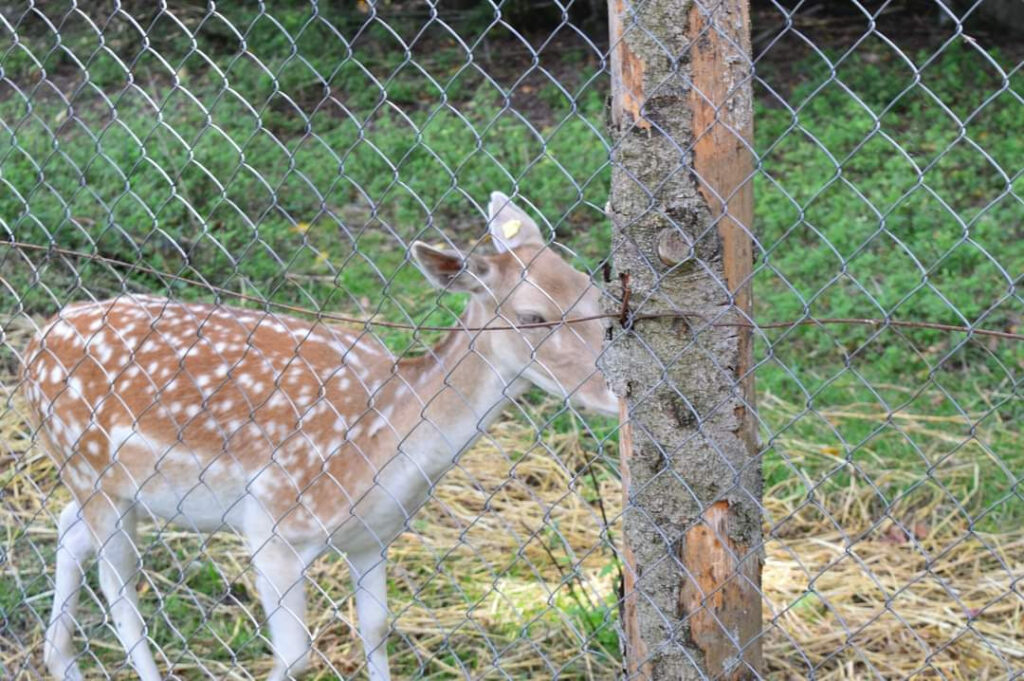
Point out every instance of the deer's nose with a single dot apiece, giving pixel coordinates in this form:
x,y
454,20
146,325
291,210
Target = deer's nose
x,y
596,395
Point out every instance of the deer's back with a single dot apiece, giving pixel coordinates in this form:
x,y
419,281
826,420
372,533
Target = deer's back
x,y
190,407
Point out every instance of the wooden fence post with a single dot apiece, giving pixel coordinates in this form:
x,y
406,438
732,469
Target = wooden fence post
x,y
682,208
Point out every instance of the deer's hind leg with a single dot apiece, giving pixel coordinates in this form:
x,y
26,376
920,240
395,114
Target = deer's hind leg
x,y
280,572
112,524
75,548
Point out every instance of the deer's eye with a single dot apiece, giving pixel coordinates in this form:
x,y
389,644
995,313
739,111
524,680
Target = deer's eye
x,y
529,318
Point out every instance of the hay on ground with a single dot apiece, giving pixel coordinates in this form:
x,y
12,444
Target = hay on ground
x,y
507,573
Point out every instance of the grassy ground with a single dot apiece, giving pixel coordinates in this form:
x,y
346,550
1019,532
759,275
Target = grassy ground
x,y
893,459
871,567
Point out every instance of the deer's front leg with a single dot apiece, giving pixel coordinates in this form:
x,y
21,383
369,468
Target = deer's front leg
x,y
281,584
369,578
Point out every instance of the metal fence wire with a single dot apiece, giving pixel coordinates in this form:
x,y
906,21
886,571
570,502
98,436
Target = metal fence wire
x,y
302,308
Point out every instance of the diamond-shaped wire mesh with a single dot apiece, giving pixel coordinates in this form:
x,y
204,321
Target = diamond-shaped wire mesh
x,y
246,180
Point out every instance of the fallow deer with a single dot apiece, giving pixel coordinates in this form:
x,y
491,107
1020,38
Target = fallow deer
x,y
297,435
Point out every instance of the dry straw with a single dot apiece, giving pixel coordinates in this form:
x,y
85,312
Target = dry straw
x,y
508,573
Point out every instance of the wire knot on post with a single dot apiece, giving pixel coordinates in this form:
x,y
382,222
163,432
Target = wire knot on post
x,y
625,317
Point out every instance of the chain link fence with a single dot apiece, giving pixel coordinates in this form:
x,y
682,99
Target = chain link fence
x,y
268,168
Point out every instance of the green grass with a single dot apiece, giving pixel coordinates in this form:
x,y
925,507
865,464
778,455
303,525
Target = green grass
x,y
921,221
271,189
872,200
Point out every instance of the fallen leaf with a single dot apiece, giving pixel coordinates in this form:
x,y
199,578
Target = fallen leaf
x,y
894,535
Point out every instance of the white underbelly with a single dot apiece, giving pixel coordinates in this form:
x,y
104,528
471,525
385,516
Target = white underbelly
x,y
195,490
196,508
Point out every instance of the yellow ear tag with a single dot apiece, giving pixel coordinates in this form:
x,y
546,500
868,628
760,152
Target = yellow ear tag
x,y
511,228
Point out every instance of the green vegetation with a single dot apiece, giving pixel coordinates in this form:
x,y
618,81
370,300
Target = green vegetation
x,y
240,172
299,171
875,202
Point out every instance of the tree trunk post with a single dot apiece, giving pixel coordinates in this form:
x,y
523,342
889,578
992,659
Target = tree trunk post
x,y
682,210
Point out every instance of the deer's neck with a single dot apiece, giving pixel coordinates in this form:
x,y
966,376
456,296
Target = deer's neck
x,y
458,389
436,406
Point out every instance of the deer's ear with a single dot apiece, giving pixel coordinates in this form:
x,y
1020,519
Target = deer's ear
x,y
510,226
451,271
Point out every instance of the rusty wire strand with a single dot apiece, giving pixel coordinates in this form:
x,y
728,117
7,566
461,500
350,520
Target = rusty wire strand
x,y
625,317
